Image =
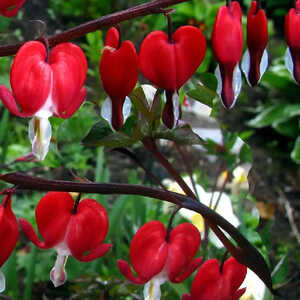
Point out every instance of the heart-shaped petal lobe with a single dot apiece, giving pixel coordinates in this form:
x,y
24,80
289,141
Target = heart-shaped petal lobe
x,y
170,64
227,44
119,73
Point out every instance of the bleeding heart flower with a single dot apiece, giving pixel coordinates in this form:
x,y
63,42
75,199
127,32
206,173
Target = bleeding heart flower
x,y
9,234
69,228
227,44
119,74
255,59
170,62
292,36
157,256
213,281
9,8
43,85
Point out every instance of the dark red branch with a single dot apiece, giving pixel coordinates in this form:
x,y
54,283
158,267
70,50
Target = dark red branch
x,y
245,253
148,8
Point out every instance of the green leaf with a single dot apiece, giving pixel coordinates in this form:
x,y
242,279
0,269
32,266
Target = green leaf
x,y
288,127
203,95
267,116
245,154
102,135
209,80
295,155
281,270
140,102
180,135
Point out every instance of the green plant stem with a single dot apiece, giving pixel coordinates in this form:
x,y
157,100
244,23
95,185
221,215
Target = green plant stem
x,y
245,253
30,273
152,7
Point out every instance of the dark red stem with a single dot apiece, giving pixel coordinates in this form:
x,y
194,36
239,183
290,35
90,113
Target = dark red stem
x,y
144,9
245,253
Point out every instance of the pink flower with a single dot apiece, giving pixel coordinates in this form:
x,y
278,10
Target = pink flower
x,y
255,59
45,84
157,256
70,229
119,73
292,36
9,8
9,234
219,283
227,44
170,64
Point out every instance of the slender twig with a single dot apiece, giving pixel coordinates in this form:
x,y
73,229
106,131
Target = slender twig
x,y
151,146
289,213
148,8
245,253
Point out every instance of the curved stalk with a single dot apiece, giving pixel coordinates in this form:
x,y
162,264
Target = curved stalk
x,y
245,253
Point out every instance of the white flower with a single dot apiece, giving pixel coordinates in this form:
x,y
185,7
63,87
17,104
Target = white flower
x,y
255,288
224,207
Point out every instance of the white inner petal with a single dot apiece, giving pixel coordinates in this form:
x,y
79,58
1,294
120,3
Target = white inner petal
x,y
58,275
264,63
40,135
149,92
152,288
237,83
289,61
126,108
219,80
2,282
245,65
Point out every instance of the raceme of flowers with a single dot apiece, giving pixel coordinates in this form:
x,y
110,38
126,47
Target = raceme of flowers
x,y
54,79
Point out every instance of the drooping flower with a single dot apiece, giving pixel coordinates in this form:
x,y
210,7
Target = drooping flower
x,y
9,8
168,64
45,84
69,229
217,282
227,44
255,59
119,73
9,234
292,36
157,256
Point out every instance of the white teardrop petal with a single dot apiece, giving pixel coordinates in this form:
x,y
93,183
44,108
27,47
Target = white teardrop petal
x,y
152,288
149,92
264,63
40,135
2,282
289,61
175,100
245,65
219,80
237,83
106,110
58,274
126,108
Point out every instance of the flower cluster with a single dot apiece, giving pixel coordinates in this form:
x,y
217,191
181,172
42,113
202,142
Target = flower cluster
x,y
54,79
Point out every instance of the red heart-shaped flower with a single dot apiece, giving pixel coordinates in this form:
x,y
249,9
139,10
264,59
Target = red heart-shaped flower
x,y
119,72
170,64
